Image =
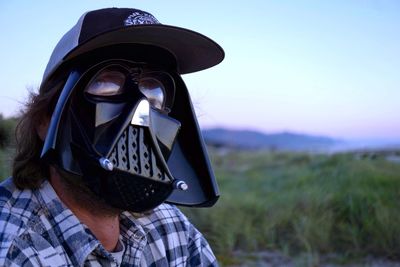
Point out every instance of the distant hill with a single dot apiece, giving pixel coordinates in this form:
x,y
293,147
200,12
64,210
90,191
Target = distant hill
x,y
243,139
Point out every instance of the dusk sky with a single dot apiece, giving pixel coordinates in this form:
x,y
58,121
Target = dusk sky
x,y
317,67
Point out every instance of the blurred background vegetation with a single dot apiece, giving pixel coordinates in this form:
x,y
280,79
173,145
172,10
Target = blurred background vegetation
x,y
304,206
7,126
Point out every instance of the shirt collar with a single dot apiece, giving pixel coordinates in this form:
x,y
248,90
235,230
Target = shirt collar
x,y
131,230
75,237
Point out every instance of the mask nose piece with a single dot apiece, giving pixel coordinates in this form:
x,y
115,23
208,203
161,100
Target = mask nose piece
x,y
141,117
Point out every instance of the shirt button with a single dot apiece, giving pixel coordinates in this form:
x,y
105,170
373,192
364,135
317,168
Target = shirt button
x,y
138,235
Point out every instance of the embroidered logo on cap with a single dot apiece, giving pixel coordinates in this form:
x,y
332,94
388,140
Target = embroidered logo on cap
x,y
138,18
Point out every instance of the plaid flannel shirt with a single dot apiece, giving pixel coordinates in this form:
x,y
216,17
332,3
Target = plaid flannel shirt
x,y
36,229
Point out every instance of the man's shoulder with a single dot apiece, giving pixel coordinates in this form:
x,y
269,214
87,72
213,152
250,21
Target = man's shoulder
x,y
169,229
165,221
17,207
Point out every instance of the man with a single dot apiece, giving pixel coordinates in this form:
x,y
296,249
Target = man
x,y
106,146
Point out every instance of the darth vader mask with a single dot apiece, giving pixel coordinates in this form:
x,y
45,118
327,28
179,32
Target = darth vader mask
x,y
124,123
128,130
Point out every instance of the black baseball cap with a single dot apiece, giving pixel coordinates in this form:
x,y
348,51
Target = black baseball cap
x,y
111,26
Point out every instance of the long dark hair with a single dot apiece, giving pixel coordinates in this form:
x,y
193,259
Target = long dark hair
x,y
28,171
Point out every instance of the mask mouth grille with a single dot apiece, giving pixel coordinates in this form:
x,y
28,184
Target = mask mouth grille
x,y
137,194
133,153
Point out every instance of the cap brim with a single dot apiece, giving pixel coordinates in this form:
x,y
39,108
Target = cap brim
x,y
193,51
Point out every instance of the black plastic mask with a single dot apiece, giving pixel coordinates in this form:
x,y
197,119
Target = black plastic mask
x,y
117,134
122,138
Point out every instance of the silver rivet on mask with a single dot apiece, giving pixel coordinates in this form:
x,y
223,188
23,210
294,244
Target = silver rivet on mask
x,y
181,185
106,164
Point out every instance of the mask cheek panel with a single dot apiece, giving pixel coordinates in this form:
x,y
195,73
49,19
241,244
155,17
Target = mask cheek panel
x,y
165,129
106,112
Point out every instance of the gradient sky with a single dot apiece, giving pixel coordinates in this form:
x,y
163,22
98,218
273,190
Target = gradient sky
x,y
317,67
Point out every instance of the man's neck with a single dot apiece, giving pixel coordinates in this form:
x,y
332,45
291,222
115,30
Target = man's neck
x,y
104,226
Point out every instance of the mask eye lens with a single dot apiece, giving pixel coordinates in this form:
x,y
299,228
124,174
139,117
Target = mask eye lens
x,y
106,83
154,91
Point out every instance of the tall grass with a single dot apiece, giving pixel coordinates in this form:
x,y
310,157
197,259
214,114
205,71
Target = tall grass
x,y
5,163
7,142
301,203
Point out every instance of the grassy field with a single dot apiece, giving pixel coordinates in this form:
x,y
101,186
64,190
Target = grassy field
x,y
345,205
302,205
5,162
